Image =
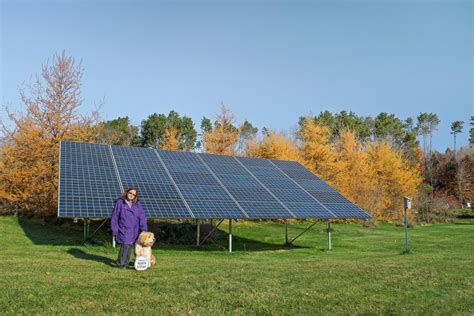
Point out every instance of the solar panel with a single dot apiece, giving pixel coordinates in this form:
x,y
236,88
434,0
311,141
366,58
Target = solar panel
x,y
141,168
175,184
255,200
332,201
200,187
88,183
297,201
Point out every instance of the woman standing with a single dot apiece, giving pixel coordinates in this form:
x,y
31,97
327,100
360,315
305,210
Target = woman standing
x,y
128,220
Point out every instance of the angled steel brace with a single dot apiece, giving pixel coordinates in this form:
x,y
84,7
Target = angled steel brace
x,y
205,238
291,242
87,228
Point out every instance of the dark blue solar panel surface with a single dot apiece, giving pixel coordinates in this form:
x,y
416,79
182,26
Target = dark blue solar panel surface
x,y
254,199
141,168
330,199
88,183
300,203
188,185
205,196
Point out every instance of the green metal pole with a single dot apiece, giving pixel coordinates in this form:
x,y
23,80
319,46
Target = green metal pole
x,y
406,231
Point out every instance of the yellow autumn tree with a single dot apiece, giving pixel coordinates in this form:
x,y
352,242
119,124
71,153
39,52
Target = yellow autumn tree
x,y
170,139
354,177
30,149
273,146
222,138
316,150
394,178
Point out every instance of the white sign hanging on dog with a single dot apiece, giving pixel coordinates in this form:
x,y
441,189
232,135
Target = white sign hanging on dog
x,y
141,263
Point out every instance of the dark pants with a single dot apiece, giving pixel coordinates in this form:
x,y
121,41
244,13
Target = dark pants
x,y
124,255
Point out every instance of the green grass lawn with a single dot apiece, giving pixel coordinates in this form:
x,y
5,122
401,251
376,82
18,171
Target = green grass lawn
x,y
47,269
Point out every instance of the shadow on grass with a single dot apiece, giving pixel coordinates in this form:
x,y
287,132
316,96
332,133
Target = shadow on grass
x,y
80,254
42,233
70,234
221,243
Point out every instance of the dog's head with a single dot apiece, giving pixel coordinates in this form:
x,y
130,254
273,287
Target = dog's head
x,y
146,239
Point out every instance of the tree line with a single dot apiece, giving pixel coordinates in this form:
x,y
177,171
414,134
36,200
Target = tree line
x,y
372,161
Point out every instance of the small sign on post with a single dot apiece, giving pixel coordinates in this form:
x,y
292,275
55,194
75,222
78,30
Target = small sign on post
x,y
407,205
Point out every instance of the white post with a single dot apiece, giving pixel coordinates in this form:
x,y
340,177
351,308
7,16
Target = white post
x,y
286,231
198,232
329,235
113,241
230,235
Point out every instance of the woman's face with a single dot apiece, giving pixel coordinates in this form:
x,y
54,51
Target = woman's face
x,y
131,195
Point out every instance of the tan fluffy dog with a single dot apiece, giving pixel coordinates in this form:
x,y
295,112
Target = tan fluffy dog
x,y
143,246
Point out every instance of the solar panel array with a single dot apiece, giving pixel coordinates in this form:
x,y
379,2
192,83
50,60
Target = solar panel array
x,y
175,184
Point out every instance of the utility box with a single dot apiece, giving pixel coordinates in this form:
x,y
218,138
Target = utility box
x,y
407,202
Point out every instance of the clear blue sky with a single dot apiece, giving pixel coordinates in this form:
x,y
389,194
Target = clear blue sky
x,y
269,61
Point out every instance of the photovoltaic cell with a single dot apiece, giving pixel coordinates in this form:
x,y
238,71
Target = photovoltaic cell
x,y
175,184
309,210
264,209
214,209
238,181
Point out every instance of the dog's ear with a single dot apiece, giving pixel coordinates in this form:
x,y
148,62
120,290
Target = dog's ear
x,y
142,238
152,239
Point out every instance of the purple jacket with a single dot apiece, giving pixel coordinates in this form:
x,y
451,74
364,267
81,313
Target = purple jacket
x,y
127,222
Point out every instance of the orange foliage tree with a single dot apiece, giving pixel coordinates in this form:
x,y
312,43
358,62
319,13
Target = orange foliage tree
x,y
394,178
273,146
317,151
354,177
223,137
30,149
170,139
374,176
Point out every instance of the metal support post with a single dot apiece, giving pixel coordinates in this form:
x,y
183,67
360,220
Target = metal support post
x,y
113,242
406,231
230,235
286,231
198,232
407,205
87,226
329,236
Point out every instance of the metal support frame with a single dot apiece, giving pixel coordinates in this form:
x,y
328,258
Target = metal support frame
x,y
406,206
87,226
230,235
291,242
87,229
286,231
329,236
205,238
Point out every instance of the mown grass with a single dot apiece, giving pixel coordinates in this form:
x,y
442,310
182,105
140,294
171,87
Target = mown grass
x,y
47,269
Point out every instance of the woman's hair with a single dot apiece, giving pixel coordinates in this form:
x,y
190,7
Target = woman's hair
x,y
124,194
